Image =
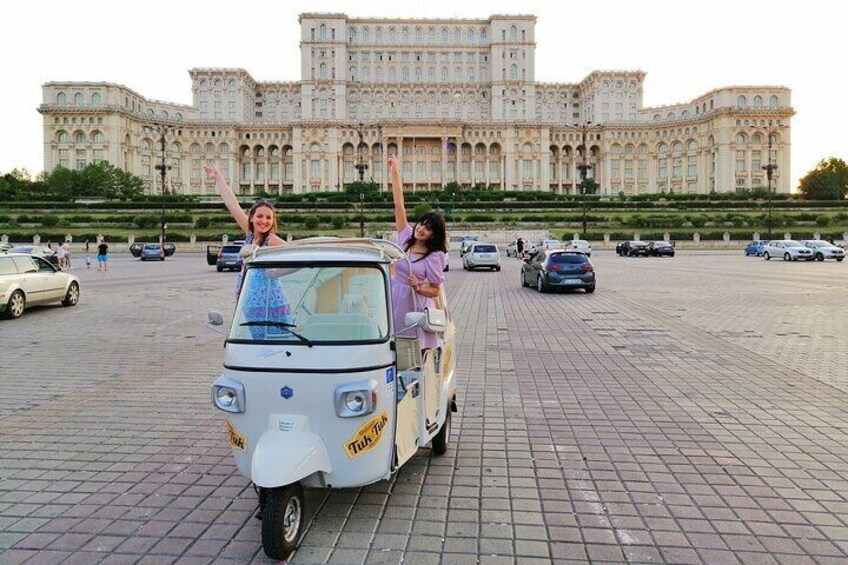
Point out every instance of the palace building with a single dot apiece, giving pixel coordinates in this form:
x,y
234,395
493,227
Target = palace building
x,y
457,99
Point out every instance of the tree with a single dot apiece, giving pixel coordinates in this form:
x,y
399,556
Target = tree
x,y
828,181
588,186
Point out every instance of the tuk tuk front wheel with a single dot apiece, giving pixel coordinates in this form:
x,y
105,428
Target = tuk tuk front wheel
x,y
282,521
442,437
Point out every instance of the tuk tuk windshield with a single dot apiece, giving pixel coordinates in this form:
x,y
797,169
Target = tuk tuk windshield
x,y
312,305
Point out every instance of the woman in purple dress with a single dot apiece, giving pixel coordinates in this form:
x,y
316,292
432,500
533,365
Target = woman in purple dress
x,y
425,244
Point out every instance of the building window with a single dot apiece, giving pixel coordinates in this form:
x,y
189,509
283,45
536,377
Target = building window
x,y
692,167
740,161
741,102
79,99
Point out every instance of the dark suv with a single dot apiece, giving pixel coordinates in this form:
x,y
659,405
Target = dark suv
x,y
632,248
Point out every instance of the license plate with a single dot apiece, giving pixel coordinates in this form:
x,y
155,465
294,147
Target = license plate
x,y
572,281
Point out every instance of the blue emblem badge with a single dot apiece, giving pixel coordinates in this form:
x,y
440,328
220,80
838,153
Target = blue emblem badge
x,y
286,392
390,375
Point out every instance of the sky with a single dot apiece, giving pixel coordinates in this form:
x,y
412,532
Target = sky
x,y
686,49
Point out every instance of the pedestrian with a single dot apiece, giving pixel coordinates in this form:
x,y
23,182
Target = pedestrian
x,y
86,247
519,248
425,244
67,247
103,256
60,256
87,261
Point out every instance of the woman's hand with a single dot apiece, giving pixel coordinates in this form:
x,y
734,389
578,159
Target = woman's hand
x,y
394,166
414,283
212,171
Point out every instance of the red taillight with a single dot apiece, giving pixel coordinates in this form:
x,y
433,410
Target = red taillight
x,y
554,267
586,267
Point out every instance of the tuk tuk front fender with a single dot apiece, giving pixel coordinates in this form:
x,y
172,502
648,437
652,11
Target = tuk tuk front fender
x,y
282,458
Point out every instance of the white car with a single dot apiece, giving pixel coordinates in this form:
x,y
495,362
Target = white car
x,y
788,250
824,250
482,256
549,244
580,245
28,280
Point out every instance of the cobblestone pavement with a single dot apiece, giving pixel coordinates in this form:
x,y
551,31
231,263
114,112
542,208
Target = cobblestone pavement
x,y
692,410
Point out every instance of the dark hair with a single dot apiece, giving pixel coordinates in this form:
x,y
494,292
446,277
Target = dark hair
x,y
258,204
436,222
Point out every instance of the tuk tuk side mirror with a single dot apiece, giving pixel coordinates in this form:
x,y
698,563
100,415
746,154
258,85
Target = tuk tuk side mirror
x,y
215,318
215,321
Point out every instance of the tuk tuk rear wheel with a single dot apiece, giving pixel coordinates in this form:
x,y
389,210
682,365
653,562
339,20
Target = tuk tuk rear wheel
x,y
282,521
442,437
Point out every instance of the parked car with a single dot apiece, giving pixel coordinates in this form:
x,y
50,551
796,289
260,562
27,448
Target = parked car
x,y
467,241
633,248
512,249
550,244
548,270
152,251
660,249
787,249
38,251
228,257
824,250
580,245
5,247
755,248
27,280
482,256
136,249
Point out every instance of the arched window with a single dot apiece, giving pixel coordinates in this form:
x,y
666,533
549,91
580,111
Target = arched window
x,y
79,137
513,33
457,35
677,147
178,116
756,139
484,36
175,147
692,145
419,36
95,99
97,137
392,74
195,148
773,101
740,138
322,32
165,114
404,35
470,35
62,99
351,35
657,117
741,102
758,101
366,35
224,148
444,35
79,99
379,34
431,35
209,149
662,148
145,144
322,71
392,35
314,148
63,137
513,72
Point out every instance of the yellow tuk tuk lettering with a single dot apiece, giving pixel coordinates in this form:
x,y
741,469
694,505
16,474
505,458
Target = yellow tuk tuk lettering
x,y
367,436
237,441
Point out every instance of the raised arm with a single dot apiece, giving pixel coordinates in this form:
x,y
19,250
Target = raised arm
x,y
227,196
397,194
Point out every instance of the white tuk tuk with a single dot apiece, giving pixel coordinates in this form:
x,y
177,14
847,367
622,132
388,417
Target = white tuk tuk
x,y
319,389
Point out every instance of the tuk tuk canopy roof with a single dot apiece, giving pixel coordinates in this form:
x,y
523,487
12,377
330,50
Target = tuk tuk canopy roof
x,y
331,248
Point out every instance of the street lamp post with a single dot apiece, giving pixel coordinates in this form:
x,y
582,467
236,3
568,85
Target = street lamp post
x,y
770,168
163,169
584,170
361,214
361,168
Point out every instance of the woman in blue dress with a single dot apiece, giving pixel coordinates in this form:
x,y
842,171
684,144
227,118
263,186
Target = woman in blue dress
x,y
266,302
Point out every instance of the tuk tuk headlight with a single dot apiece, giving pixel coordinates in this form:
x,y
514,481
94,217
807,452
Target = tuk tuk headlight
x,y
356,399
228,395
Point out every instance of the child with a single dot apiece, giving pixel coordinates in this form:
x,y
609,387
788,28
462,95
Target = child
x,y
88,261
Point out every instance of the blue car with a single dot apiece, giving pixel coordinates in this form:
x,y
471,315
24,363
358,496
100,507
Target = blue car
x,y
152,251
755,248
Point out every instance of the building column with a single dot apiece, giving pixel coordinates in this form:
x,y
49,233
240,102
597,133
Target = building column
x,y
252,174
444,160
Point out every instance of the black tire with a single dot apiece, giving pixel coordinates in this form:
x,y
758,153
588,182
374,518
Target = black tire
x,y
540,285
523,282
72,296
590,289
787,256
283,520
767,256
819,257
220,269
498,269
839,259
15,306
441,440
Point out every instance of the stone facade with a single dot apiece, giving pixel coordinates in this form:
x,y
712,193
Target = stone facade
x,y
456,98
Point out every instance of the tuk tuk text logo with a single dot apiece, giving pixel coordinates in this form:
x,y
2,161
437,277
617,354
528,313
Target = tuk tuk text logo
x,y
367,436
237,441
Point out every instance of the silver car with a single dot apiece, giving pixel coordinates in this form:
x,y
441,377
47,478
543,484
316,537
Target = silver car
x,y
27,280
482,256
788,250
824,250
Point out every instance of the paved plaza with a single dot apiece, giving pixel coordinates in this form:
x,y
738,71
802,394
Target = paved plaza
x,y
692,410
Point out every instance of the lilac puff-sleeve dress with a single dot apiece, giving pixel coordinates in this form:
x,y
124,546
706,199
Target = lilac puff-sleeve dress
x,y
426,269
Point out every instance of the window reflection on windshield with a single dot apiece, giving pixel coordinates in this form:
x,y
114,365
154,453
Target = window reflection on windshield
x,y
312,304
